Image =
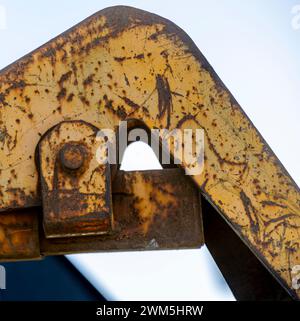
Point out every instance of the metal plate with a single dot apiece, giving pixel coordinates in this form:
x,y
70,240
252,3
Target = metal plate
x,y
75,188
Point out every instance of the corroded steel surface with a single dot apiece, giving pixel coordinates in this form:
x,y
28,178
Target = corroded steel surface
x,y
75,188
19,235
152,210
125,63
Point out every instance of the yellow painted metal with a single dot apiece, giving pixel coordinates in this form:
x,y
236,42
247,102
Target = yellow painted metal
x,y
124,63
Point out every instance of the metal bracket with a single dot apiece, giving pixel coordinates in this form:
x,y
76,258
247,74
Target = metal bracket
x,y
75,188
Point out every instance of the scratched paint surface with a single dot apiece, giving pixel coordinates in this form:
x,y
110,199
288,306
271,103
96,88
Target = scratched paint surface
x,y
124,63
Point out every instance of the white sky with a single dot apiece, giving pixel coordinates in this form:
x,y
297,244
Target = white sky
x,y
256,52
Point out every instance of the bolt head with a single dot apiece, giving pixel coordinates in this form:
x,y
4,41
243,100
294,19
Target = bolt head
x,y
72,156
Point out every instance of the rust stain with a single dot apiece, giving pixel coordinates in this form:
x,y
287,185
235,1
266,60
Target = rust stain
x,y
19,235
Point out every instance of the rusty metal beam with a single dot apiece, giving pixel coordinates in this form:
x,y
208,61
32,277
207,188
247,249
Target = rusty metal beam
x,y
124,63
152,210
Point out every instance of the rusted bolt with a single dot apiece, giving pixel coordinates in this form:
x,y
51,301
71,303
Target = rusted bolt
x,y
72,156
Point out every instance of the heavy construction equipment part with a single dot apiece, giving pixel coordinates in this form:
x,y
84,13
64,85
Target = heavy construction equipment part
x,y
120,64
152,210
